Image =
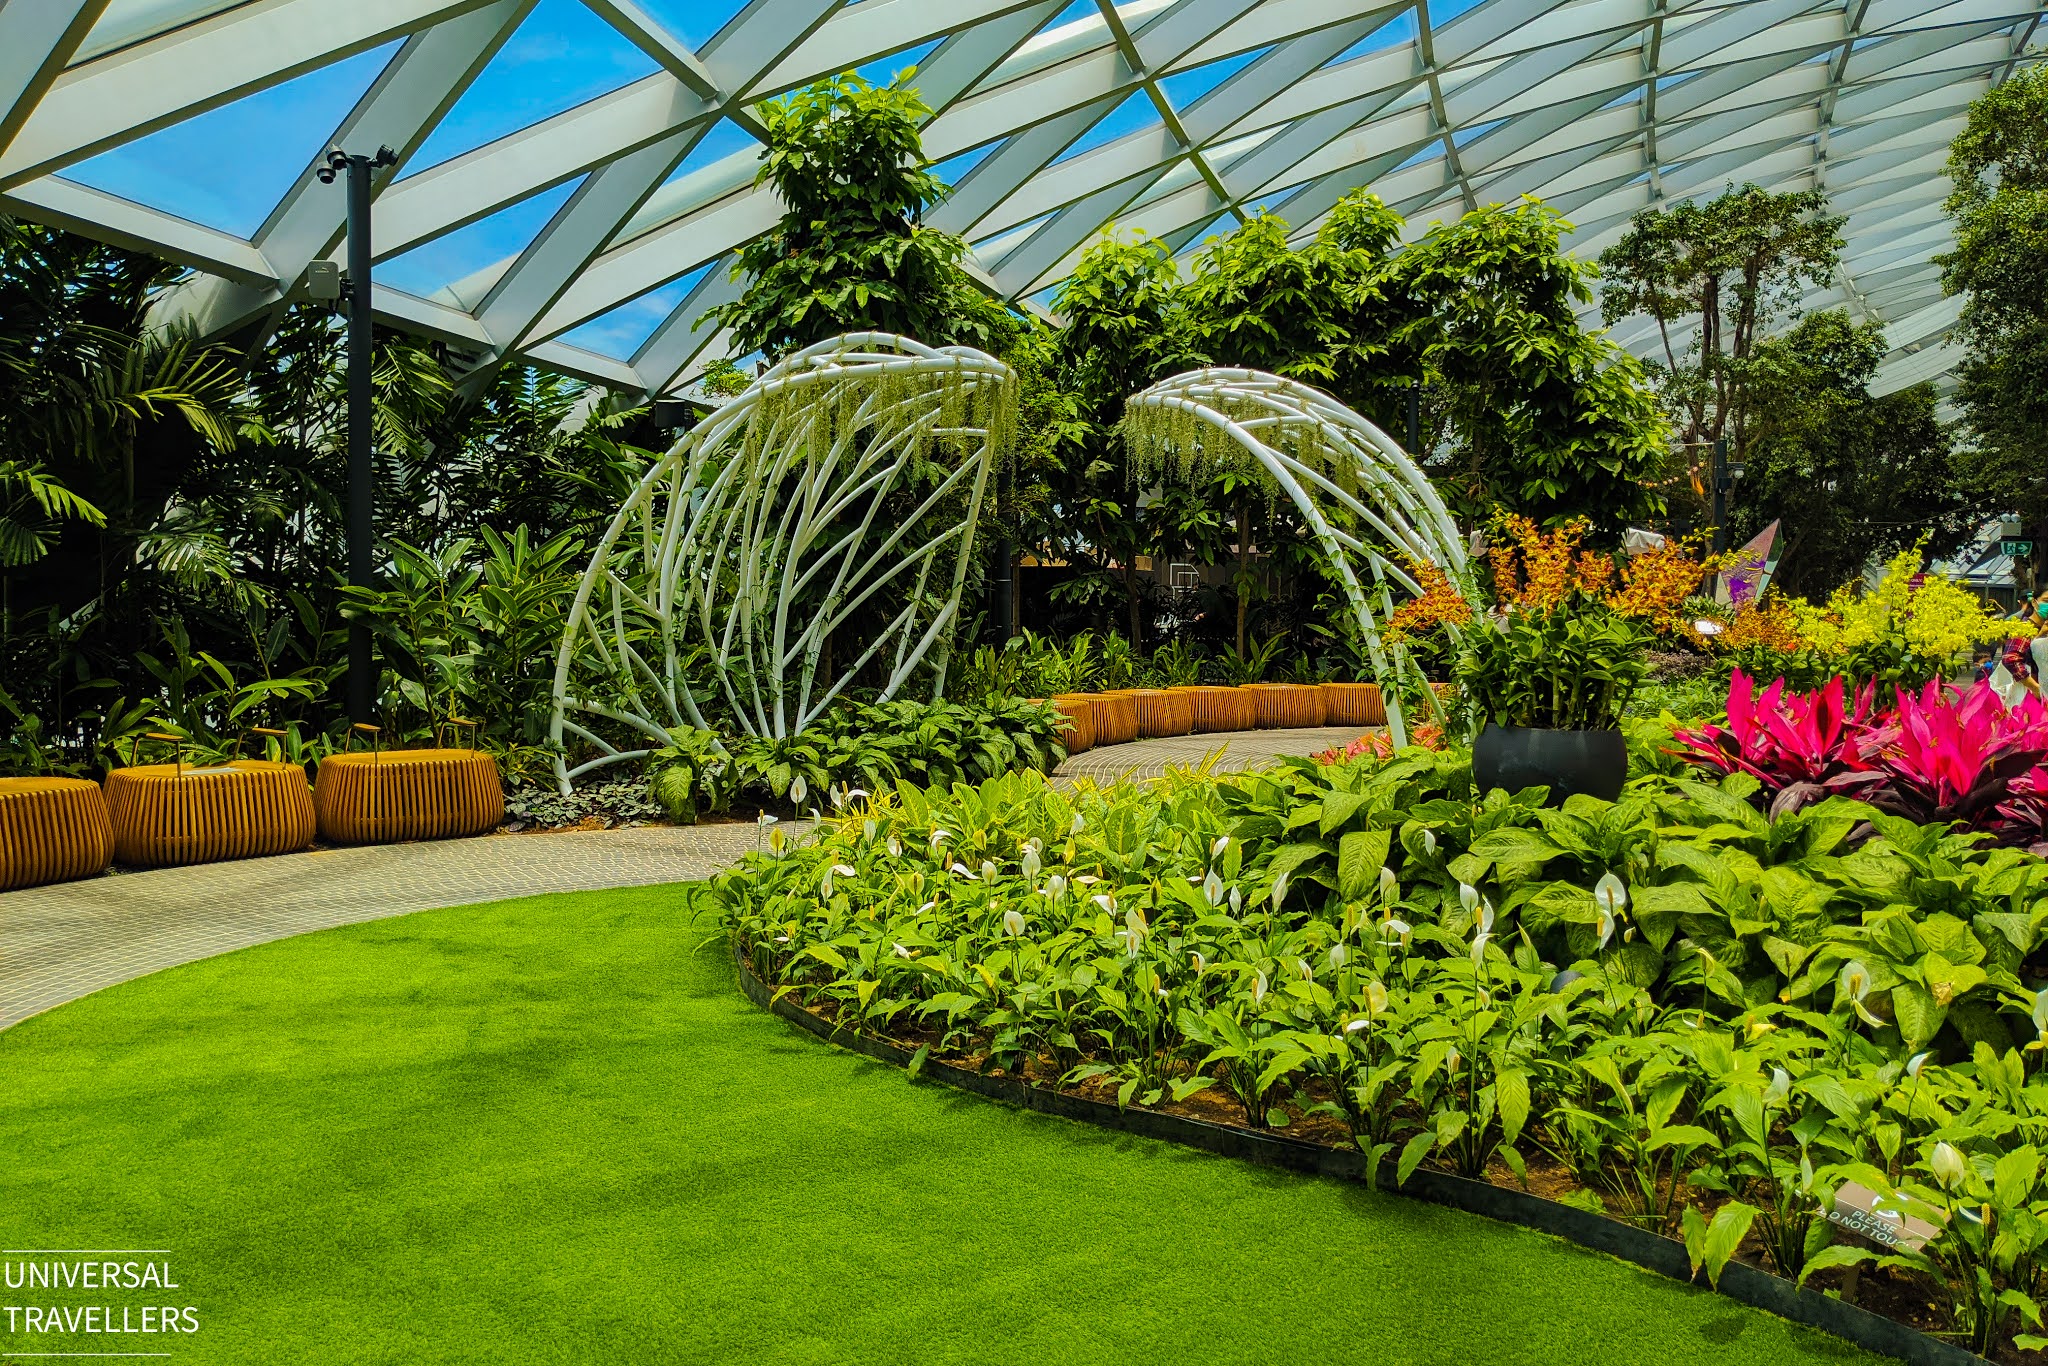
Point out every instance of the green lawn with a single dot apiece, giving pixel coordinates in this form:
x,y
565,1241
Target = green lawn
x,y
551,1130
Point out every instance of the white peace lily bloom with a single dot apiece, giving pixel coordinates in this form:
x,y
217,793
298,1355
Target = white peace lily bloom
x,y
1134,921
1854,985
1236,902
1780,1087
1468,897
1916,1062
1485,916
1013,923
900,951
844,871
928,908
1375,998
782,939
1259,987
777,842
1396,932
825,885
1078,826
1428,841
939,837
1216,849
1609,894
1337,955
1603,926
1358,1024
2041,1011
853,792
1453,1060
798,790
963,870
988,871
1308,974
1479,947
1201,964
895,847
1056,886
1030,863
1279,890
868,828
1948,1165
1086,879
1212,889
1390,886
836,795
764,820
1104,900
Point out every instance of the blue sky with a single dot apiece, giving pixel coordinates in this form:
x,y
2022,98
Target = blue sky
x,y
227,169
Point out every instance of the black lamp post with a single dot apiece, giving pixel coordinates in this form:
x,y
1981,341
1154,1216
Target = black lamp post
x,y
1726,472
361,477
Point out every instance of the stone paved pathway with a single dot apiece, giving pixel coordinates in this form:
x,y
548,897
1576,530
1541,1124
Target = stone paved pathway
x,y
61,942
1236,752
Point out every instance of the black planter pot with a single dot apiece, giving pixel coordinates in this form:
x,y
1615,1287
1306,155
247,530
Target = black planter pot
x,y
1594,762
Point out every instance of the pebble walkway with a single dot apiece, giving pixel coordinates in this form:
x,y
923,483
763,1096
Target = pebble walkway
x,y
62,942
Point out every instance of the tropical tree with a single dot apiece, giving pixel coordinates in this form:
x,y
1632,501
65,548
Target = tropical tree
x,y
851,252
1998,166
1717,277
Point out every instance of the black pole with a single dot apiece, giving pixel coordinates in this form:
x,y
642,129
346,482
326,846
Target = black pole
x,y
1006,553
362,675
1414,419
1720,493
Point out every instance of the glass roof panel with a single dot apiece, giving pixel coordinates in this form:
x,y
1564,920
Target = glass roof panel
x,y
434,265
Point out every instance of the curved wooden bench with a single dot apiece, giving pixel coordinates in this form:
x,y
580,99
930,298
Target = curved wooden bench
x,y
1078,734
165,814
52,830
1116,716
407,794
1287,706
1219,709
1162,712
1353,704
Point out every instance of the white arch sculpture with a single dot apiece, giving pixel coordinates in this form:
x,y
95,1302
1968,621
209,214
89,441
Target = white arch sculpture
x,y
1340,471
727,542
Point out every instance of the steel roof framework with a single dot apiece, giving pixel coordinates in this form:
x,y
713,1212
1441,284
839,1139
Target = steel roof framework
x,y
1600,107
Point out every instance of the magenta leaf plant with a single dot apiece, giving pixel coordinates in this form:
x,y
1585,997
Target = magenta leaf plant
x,y
1801,748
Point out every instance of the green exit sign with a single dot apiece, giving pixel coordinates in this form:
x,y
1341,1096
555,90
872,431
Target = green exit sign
x,y
2017,549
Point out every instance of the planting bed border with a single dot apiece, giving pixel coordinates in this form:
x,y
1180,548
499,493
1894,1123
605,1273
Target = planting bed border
x,y
1750,1285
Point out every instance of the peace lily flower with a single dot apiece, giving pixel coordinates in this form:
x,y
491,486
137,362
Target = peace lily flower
x,y
1216,849
868,828
1468,897
1780,1087
1603,926
1013,923
798,789
1201,964
1479,948
1030,862
1485,916
1453,1060
1212,889
1390,886
1428,840
900,951
777,842
939,837
1086,879
1308,974
1055,886
1948,1166
1395,932
988,871
1104,900
1360,1023
1916,1062
764,820
1236,902
1279,890
1078,826
895,847
1609,894
825,882
1854,985
1337,955
1134,921
1375,998
928,908
2041,1012
962,869
1259,987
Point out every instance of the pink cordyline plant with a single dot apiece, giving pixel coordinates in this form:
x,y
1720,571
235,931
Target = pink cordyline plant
x,y
1950,755
1801,748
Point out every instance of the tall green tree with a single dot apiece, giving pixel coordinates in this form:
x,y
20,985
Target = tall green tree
x,y
1998,166
1717,277
851,252
1853,477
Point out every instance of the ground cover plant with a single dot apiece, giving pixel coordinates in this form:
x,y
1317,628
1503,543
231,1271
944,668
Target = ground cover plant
x,y
1674,1007
561,1115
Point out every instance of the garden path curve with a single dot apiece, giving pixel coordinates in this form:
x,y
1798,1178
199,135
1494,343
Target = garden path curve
x,y
61,942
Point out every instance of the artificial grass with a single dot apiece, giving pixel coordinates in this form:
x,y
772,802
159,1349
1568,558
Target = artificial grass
x,y
550,1130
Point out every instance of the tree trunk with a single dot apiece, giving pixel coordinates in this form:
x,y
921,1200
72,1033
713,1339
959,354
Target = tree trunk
x,y
1244,568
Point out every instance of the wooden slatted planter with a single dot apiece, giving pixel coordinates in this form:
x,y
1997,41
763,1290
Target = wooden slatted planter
x,y
1116,717
1162,712
1287,706
1078,734
52,830
168,814
408,794
1220,709
1353,704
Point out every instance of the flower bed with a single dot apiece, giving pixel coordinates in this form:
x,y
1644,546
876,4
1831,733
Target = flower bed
x,y
1673,1010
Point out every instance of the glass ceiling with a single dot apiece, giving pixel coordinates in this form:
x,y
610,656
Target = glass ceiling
x,y
575,174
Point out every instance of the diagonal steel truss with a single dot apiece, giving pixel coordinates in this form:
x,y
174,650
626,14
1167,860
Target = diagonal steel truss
x,y
1601,107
